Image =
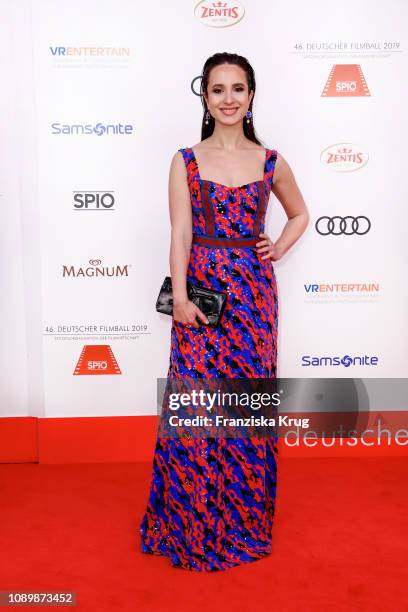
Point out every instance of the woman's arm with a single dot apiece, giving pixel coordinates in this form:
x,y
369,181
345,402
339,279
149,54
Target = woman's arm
x,y
181,227
285,188
181,238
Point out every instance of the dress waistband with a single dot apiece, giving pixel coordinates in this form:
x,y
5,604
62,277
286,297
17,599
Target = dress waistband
x,y
226,242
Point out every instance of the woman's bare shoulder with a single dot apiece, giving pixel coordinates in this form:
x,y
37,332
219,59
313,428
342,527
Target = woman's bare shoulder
x,y
203,144
178,156
178,164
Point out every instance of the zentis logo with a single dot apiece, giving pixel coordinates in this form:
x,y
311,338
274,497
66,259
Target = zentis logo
x,y
346,80
220,14
96,359
344,157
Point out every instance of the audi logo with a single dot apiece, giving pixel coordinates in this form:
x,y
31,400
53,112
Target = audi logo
x,y
343,225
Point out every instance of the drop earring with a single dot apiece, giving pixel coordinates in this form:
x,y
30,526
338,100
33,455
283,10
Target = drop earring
x,y
207,116
248,115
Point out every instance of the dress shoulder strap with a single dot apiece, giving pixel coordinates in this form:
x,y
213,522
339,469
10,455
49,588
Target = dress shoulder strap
x,y
190,163
270,162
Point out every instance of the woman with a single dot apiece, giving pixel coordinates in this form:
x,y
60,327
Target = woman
x,y
212,500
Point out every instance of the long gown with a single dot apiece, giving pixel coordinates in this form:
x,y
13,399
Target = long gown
x,y
212,500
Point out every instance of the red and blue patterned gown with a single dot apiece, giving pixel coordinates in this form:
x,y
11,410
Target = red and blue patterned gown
x,y
212,500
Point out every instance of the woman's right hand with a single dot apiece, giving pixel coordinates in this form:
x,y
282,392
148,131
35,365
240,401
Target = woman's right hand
x,y
186,312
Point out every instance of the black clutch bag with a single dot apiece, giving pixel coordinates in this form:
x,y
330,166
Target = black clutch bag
x,y
209,301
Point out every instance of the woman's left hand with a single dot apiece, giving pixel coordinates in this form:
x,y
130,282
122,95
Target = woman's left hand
x,y
268,247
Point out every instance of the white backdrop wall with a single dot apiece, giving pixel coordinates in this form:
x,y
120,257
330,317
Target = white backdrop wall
x,y
76,343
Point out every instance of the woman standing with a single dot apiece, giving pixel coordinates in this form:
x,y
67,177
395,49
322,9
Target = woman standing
x,y
212,500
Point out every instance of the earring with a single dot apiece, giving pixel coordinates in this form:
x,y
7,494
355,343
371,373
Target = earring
x,y
207,116
248,115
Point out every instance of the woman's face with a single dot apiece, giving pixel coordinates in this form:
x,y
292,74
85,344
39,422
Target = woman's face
x,y
228,97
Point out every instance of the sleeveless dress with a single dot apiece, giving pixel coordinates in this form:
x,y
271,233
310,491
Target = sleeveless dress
x,y
212,500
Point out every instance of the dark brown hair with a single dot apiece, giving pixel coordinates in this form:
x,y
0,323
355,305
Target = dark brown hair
x,y
242,62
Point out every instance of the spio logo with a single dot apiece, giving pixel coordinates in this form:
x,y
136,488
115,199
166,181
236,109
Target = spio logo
x,y
220,14
100,129
96,359
94,200
343,225
344,157
346,80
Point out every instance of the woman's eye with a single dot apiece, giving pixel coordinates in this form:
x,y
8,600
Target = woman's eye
x,y
216,91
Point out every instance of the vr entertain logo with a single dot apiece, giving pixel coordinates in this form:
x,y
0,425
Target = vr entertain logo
x,y
99,129
90,51
341,287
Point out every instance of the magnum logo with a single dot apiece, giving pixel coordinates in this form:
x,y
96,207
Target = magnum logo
x,y
95,269
96,359
346,80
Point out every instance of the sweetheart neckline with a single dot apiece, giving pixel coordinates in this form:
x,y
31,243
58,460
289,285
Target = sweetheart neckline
x,y
228,186
262,180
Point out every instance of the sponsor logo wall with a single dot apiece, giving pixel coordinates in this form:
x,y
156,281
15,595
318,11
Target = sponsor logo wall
x,y
90,120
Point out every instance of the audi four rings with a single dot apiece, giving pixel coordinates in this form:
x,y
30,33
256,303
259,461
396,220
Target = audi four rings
x,y
343,225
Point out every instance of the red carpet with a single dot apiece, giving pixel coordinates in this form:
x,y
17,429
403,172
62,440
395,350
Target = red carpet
x,y
340,540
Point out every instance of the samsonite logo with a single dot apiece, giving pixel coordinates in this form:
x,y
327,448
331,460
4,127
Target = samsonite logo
x,y
220,14
344,157
338,360
100,129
